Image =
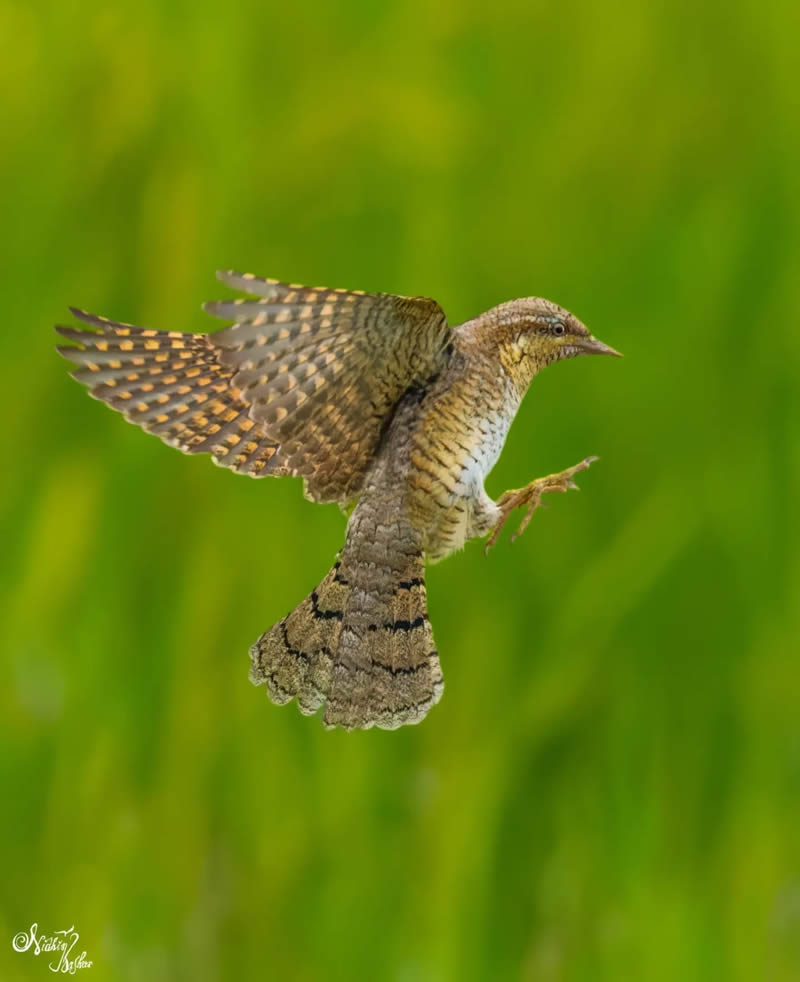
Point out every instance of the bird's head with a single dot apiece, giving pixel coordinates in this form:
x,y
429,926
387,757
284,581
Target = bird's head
x,y
533,332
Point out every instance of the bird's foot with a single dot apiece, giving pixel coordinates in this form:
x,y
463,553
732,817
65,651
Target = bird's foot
x,y
531,496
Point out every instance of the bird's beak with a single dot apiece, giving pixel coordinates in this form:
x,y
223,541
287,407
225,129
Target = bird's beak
x,y
591,346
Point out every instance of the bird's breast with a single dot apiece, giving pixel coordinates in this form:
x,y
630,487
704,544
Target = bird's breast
x,y
459,437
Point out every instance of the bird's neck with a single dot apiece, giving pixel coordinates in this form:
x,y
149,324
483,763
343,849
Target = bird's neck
x,y
492,355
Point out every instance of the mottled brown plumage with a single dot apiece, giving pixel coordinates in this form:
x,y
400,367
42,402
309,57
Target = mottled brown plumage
x,y
365,396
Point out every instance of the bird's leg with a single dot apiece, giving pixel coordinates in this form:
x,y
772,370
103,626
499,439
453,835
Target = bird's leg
x,y
531,496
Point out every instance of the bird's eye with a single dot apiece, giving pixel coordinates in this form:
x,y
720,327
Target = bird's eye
x,y
558,329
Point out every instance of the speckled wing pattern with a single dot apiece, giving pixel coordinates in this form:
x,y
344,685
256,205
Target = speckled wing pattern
x,y
303,383
322,370
171,384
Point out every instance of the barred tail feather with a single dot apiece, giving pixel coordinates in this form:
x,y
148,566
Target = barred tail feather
x,y
367,655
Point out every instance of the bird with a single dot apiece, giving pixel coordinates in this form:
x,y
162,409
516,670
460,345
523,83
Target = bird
x,y
379,405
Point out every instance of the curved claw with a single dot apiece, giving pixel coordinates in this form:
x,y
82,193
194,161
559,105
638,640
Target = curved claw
x,y
531,496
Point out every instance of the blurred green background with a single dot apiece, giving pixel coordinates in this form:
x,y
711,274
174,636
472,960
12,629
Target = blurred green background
x,y
610,788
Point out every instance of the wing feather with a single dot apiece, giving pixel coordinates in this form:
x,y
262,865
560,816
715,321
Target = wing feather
x,y
323,370
303,382
172,385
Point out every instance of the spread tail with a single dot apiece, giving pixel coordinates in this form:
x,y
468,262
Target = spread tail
x,y
361,643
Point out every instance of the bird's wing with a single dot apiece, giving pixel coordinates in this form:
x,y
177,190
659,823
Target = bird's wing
x,y
171,384
323,370
304,382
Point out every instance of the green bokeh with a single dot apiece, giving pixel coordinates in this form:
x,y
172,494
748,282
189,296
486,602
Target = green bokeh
x,y
610,788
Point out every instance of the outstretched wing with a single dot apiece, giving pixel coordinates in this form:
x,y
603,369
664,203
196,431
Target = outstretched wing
x,y
171,384
323,370
304,382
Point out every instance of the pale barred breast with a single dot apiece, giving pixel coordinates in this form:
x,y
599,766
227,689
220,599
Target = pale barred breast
x,y
462,430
